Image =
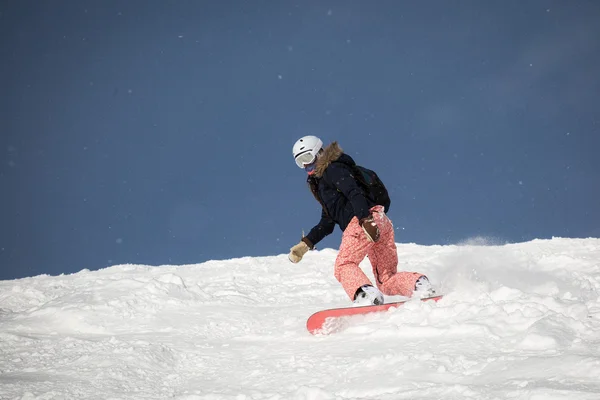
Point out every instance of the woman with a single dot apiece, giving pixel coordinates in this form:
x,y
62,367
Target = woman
x,y
367,231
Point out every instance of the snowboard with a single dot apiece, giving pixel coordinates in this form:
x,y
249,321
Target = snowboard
x,y
332,320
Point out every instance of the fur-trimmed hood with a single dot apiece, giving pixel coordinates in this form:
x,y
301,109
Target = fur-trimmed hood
x,y
330,154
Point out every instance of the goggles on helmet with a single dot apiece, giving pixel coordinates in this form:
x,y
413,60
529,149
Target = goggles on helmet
x,y
305,158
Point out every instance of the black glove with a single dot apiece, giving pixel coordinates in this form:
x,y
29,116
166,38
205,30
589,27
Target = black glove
x,y
370,227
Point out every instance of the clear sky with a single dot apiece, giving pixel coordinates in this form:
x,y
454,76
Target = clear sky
x,y
157,132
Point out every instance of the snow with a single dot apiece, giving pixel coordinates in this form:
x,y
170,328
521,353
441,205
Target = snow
x,y
519,321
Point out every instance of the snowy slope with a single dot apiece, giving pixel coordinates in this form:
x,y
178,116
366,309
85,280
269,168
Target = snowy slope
x,y
519,321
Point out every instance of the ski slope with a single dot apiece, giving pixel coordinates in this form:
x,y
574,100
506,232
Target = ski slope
x,y
519,321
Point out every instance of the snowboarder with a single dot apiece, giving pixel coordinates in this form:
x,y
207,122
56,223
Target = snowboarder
x,y
367,230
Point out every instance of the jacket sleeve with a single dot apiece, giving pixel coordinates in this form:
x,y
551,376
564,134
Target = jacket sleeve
x,y
340,175
325,227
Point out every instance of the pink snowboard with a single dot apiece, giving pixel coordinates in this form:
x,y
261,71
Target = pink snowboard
x,y
317,323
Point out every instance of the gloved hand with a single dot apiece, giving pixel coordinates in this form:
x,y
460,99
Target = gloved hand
x,y
370,227
299,250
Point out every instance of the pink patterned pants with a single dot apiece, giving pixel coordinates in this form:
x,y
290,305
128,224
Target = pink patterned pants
x,y
382,254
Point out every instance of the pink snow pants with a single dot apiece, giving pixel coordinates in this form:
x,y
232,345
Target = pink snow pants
x,y
382,254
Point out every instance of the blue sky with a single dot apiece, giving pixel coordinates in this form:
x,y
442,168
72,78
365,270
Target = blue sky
x,y
157,132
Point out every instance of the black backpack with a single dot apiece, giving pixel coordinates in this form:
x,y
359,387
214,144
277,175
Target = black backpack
x,y
373,186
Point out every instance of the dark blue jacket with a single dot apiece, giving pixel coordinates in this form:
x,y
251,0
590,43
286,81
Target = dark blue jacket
x,y
341,197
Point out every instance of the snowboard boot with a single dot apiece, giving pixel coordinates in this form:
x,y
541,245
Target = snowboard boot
x,y
423,288
368,295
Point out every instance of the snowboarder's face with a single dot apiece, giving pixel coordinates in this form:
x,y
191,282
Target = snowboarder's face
x,y
310,168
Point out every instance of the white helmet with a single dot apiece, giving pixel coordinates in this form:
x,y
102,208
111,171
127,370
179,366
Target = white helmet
x,y
306,149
